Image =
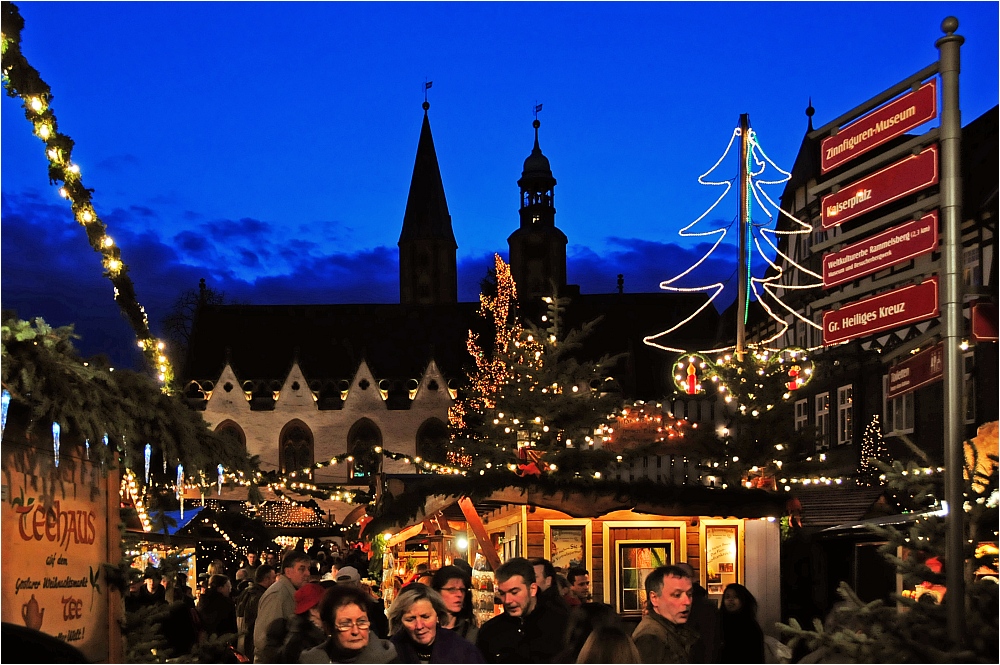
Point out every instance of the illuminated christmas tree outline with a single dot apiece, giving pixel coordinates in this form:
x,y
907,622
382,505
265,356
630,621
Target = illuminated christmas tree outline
x,y
756,160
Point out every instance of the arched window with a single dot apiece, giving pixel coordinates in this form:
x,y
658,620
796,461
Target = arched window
x,y
432,440
362,440
229,428
296,448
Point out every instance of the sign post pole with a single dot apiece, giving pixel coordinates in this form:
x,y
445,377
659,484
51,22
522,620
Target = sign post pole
x,y
951,314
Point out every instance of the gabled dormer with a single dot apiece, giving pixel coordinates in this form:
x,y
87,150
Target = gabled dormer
x,y
433,390
295,392
227,395
364,391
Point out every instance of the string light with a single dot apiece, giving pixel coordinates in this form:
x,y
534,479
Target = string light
x,y
23,81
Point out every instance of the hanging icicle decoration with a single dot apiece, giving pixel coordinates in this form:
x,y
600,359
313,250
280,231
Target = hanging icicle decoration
x,y
56,429
220,479
180,487
147,453
105,439
164,462
6,405
86,447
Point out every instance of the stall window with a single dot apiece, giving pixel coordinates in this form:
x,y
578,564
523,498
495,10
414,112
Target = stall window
x,y
721,557
638,560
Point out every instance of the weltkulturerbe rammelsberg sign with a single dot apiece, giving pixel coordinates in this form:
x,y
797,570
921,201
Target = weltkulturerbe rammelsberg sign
x,y
901,243
893,309
53,548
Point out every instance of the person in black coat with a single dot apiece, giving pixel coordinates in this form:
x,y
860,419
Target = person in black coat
x,y
742,637
216,609
528,631
414,622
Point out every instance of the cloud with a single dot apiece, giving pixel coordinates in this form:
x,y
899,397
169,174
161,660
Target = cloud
x,y
119,163
50,270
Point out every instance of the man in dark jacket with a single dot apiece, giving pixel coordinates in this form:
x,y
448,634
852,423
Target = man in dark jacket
x,y
662,636
527,631
545,578
703,619
246,607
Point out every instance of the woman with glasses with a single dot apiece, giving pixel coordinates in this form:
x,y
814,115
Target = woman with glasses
x,y
454,586
344,612
414,622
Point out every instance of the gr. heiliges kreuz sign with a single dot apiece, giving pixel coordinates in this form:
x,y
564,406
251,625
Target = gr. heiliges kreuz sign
x,y
885,311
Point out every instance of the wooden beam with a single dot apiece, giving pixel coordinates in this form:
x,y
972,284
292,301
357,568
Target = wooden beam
x,y
485,544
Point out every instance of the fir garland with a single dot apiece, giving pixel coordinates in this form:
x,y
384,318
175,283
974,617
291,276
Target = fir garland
x,y
48,382
22,81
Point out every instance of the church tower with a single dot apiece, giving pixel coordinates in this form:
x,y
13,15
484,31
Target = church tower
x,y
427,247
537,247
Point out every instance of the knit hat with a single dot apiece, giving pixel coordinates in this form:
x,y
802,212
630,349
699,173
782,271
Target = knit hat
x,y
348,574
308,596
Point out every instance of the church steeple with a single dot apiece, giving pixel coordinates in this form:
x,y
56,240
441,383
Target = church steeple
x,y
427,247
537,247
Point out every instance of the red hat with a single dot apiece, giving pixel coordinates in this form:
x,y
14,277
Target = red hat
x,y
308,596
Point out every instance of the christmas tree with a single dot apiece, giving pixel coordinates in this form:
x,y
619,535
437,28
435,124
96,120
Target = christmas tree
x,y
914,627
530,395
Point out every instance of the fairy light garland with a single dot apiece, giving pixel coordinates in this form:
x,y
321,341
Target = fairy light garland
x,y
23,81
130,488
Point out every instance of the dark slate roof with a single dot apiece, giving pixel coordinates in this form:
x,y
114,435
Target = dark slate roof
x,y
261,342
833,505
426,213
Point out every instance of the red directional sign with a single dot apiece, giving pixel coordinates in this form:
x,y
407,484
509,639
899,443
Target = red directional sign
x,y
908,175
915,372
885,311
888,248
885,123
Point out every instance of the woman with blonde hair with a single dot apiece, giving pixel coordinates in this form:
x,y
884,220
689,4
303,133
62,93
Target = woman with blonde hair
x,y
415,626
609,644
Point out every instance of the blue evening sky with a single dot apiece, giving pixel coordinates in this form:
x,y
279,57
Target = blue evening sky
x,y
268,147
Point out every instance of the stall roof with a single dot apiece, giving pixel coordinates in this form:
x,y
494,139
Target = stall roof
x,y
412,498
832,505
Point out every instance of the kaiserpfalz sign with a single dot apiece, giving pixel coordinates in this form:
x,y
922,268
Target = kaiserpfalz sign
x,y
907,176
915,372
883,124
898,244
893,309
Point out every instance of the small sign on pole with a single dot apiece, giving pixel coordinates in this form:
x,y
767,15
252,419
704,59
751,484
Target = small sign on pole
x,y
883,124
898,244
907,176
896,308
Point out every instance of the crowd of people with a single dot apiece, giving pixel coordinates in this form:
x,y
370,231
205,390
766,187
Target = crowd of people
x,y
296,612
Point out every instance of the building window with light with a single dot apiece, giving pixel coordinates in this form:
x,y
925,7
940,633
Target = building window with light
x,y
823,420
898,412
969,393
972,273
801,414
364,443
845,415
